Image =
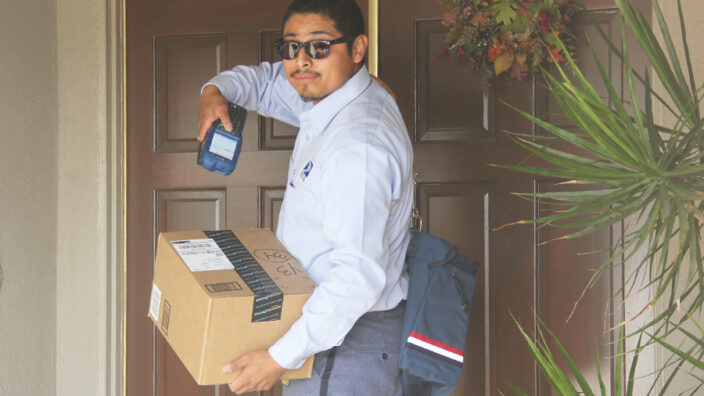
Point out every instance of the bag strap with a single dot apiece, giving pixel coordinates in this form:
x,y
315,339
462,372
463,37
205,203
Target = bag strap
x,y
416,222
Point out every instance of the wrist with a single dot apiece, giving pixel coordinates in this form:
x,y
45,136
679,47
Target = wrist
x,y
275,362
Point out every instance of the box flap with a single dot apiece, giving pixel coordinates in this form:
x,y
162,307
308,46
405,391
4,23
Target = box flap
x,y
279,264
262,246
250,262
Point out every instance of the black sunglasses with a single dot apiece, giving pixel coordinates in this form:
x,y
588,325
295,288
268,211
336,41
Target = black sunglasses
x,y
315,49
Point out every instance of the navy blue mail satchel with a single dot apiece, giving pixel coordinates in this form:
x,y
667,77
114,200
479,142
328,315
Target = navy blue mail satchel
x,y
441,285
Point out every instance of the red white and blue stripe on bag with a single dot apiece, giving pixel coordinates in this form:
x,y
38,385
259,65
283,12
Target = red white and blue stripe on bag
x,y
435,348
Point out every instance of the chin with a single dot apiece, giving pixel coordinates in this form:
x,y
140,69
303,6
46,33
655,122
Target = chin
x,y
310,96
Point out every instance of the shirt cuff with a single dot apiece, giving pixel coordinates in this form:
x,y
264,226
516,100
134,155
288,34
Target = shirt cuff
x,y
286,355
211,82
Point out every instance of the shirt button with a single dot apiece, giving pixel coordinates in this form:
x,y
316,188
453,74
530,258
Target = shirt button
x,y
384,356
307,138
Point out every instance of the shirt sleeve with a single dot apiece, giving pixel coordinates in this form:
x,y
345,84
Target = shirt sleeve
x,y
264,89
356,194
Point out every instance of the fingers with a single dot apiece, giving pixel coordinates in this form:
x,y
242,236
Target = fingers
x,y
244,386
240,384
212,106
259,372
245,383
224,116
231,367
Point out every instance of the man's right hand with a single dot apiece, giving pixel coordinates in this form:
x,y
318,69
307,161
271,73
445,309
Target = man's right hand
x,y
212,106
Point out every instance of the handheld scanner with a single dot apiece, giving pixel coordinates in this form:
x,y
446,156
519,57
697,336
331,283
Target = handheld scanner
x,y
220,149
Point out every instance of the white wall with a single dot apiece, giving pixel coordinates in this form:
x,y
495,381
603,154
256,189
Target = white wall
x,y
88,195
28,196
653,359
694,22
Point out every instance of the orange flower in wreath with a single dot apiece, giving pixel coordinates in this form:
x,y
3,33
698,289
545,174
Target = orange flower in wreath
x,y
495,49
555,55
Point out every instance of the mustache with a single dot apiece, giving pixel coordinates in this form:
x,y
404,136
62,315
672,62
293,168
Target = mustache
x,y
304,72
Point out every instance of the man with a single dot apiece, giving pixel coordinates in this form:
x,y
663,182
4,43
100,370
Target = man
x,y
346,207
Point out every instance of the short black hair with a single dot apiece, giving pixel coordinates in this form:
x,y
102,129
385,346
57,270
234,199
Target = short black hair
x,y
346,15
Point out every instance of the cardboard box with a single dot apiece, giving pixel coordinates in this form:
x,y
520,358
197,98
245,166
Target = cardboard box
x,y
217,295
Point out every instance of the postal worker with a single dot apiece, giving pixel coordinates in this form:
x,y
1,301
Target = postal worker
x,y
346,208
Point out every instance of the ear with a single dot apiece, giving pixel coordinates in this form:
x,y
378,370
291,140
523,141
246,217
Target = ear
x,y
359,48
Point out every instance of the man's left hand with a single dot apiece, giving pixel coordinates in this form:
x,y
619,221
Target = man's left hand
x,y
259,372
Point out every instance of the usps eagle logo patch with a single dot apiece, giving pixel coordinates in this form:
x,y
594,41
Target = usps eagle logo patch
x,y
306,171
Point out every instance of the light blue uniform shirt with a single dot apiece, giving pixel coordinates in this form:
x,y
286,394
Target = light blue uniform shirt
x,y
345,213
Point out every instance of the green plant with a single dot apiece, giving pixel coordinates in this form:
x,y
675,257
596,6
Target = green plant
x,y
561,382
648,175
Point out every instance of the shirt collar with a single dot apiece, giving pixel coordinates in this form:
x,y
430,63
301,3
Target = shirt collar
x,y
322,113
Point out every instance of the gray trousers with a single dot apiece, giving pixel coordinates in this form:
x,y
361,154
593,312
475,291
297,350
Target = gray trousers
x,y
366,364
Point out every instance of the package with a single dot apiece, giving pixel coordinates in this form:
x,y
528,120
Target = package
x,y
217,295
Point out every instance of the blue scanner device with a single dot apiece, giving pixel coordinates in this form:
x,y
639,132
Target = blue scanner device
x,y
220,149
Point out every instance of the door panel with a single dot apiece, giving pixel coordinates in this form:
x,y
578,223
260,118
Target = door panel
x,y
562,274
564,267
608,20
435,120
460,213
182,64
271,200
190,210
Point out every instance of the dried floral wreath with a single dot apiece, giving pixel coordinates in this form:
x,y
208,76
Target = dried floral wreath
x,y
515,36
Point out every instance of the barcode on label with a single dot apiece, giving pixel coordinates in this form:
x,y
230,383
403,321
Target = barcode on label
x,y
202,254
166,315
186,245
214,252
155,302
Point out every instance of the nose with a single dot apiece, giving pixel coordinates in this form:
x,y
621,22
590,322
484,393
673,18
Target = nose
x,y
303,60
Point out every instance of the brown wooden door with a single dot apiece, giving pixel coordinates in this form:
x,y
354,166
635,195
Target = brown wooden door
x,y
173,47
457,131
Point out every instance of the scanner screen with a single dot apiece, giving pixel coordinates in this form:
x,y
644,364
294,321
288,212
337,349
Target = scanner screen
x,y
223,146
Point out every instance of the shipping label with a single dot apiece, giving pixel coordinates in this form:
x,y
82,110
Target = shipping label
x,y
155,302
202,255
